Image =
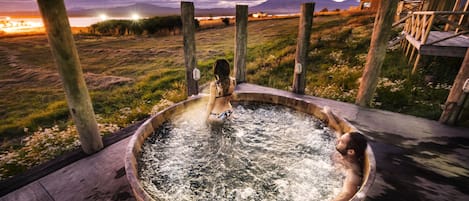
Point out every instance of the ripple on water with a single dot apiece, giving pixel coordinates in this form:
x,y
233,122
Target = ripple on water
x,y
264,152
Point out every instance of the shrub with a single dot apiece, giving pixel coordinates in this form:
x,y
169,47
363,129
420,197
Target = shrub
x,y
226,21
43,145
129,27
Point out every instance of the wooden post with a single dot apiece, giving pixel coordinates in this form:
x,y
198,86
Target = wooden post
x,y
66,58
377,52
453,103
452,17
461,19
302,48
241,43
188,29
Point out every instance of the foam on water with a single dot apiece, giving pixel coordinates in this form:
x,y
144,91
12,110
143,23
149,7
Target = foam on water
x,y
264,152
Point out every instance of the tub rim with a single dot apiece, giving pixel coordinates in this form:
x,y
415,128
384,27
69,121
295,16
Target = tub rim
x,y
297,103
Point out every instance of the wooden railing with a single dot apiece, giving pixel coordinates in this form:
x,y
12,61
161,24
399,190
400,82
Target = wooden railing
x,y
419,24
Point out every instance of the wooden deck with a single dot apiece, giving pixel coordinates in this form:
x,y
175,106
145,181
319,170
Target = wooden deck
x,y
417,159
453,47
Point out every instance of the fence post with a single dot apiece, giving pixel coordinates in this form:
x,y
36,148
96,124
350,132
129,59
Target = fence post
x,y
456,98
66,58
376,54
241,43
302,48
188,29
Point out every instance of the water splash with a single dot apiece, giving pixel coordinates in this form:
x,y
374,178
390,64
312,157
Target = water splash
x,y
264,152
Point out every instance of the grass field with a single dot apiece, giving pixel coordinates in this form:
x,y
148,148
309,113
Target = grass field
x,y
128,76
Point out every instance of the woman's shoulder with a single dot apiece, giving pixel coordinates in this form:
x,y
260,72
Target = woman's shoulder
x,y
233,80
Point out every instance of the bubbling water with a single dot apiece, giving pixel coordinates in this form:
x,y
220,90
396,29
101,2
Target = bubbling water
x,y
264,152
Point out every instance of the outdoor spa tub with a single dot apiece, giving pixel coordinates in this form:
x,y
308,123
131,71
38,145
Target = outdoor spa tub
x,y
174,156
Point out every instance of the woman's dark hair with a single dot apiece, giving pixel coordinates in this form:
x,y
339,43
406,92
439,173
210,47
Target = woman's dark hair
x,y
221,70
358,143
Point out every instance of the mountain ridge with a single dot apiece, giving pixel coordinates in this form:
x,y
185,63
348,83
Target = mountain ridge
x,y
149,10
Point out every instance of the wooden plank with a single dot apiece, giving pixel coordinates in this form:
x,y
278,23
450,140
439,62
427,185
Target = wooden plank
x,y
450,37
443,51
32,192
441,12
412,41
35,173
98,177
460,41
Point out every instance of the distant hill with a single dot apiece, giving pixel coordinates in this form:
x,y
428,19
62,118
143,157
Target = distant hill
x,y
148,10
143,9
293,6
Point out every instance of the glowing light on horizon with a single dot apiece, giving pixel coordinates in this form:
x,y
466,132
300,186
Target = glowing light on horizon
x,y
20,26
338,0
103,17
135,16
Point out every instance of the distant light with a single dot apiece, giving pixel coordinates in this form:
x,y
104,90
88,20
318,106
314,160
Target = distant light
x,y
338,0
135,16
103,17
7,18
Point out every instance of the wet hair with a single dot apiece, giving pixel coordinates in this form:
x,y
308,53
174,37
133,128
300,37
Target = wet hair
x,y
221,70
358,143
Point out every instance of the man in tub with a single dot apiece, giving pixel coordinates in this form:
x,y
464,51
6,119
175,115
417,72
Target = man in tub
x,y
351,146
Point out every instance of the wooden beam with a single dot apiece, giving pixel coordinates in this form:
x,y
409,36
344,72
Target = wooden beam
x,y
413,41
450,23
453,105
65,54
444,51
416,63
402,20
452,17
241,43
188,30
461,19
440,12
302,48
411,57
377,52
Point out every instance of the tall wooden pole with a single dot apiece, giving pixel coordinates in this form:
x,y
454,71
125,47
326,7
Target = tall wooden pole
x,y
302,48
188,29
376,54
66,58
241,43
453,105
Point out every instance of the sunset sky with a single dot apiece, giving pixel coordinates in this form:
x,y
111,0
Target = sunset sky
x,y
26,5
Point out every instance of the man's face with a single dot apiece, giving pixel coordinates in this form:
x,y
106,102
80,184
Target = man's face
x,y
342,142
